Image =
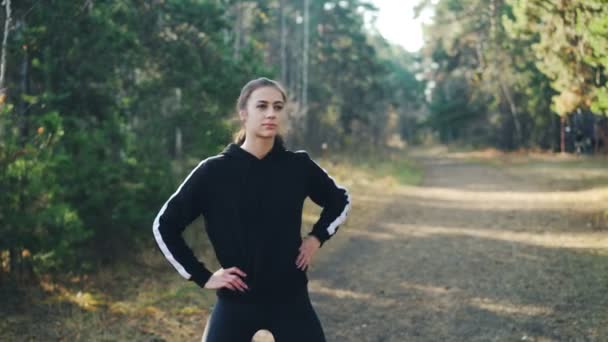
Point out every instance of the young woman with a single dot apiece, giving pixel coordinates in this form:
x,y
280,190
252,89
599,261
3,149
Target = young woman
x,y
251,197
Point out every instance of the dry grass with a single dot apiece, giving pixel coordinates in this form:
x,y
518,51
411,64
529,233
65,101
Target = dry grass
x,y
143,299
551,213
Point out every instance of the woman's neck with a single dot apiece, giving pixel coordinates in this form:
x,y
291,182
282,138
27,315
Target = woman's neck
x,y
259,147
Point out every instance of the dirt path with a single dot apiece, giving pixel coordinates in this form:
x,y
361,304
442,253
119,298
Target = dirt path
x,y
473,254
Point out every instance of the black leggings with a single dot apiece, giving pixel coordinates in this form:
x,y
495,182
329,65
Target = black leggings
x,y
293,320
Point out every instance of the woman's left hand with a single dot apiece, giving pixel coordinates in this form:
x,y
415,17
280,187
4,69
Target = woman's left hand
x,y
309,246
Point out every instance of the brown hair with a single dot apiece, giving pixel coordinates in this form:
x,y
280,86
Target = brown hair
x,y
248,89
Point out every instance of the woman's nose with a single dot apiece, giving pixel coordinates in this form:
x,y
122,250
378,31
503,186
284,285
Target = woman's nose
x,y
271,113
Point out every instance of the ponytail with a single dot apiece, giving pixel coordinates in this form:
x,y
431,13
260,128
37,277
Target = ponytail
x,y
239,137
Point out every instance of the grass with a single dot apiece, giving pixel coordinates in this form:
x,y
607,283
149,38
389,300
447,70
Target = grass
x,y
144,299
384,167
402,170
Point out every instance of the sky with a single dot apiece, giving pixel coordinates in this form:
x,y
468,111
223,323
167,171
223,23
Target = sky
x,y
395,21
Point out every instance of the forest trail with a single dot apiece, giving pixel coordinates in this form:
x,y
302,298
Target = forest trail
x,y
474,253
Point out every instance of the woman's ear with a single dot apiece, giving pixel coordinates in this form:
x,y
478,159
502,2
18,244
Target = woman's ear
x,y
243,115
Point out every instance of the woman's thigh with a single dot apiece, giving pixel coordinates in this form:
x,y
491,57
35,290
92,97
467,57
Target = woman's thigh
x,y
296,322
231,321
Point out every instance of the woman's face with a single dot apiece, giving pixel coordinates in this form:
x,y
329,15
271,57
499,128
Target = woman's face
x,y
264,113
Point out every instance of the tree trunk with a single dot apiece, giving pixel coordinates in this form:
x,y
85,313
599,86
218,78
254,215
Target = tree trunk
x,y
238,30
283,42
7,26
306,114
24,89
513,109
12,257
562,145
305,56
178,143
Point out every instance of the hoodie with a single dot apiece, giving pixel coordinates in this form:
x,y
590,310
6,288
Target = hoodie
x,y
252,210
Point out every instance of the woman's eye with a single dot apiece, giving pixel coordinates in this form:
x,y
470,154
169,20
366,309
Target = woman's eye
x,y
262,106
278,108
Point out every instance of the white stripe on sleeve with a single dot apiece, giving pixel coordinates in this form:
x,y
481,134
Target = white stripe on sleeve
x,y
158,237
331,229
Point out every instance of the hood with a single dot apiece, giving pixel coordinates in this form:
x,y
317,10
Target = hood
x,y
235,151
250,187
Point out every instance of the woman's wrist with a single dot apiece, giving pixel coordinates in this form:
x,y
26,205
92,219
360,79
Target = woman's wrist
x,y
316,237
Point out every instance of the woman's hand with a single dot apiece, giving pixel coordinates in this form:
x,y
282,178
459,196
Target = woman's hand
x,y
309,246
228,278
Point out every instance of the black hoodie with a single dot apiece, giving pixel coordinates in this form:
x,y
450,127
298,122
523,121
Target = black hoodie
x,y
253,214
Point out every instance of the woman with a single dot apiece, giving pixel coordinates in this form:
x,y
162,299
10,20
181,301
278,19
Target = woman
x,y
251,197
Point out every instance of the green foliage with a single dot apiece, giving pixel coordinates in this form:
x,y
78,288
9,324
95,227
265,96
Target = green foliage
x,y
595,32
355,78
465,61
107,101
452,111
515,63
109,83
570,45
34,215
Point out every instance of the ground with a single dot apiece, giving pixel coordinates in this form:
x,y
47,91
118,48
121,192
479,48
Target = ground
x,y
475,253
486,247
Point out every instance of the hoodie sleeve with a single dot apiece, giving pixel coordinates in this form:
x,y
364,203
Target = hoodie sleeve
x,y
183,207
332,197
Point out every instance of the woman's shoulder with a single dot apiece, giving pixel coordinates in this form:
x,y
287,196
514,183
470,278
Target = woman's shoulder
x,y
299,153
301,156
208,165
303,160
212,160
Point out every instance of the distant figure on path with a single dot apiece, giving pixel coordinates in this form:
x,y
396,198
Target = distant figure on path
x,y
251,197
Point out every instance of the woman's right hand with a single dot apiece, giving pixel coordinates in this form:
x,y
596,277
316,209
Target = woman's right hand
x,y
228,278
